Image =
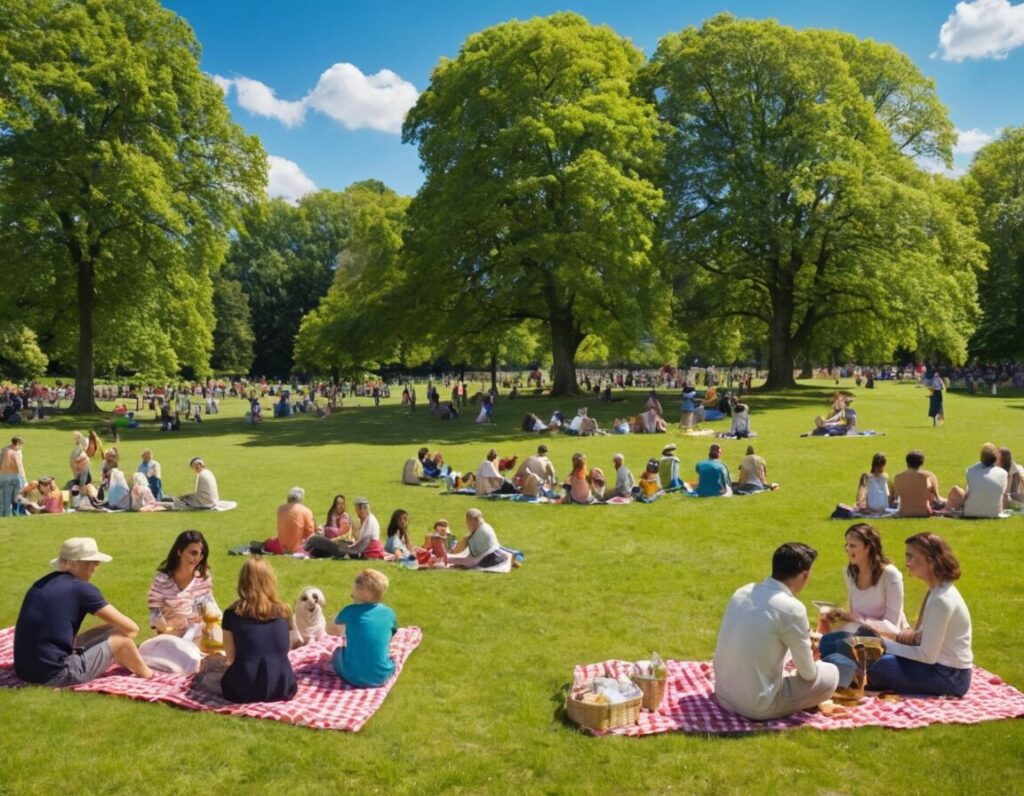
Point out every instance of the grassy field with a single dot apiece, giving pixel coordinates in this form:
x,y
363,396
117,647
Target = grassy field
x,y
478,707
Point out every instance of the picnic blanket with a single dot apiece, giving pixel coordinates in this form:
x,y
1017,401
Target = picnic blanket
x,y
324,701
689,705
838,436
893,514
503,568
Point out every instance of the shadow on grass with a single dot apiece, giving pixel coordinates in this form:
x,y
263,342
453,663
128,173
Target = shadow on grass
x,y
393,424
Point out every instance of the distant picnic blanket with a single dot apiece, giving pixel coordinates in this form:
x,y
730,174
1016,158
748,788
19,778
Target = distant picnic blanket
x,y
893,514
690,706
324,701
837,436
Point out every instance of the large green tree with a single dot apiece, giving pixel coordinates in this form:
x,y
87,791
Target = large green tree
x,y
120,174
362,322
286,258
795,203
997,178
539,201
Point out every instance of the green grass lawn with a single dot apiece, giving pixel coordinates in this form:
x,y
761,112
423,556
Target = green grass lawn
x,y
478,707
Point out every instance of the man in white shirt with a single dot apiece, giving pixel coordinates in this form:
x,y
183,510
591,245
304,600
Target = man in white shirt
x,y
986,486
624,481
763,626
206,495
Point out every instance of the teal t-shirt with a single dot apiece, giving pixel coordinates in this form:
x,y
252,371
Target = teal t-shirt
x,y
713,477
364,661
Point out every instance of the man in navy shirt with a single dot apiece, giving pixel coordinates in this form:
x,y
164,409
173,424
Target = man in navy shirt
x,y
47,646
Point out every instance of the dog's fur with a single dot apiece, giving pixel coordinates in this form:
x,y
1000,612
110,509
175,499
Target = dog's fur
x,y
308,622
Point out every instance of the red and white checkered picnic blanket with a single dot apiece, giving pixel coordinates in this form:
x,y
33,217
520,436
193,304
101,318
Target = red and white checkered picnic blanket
x,y
689,705
323,700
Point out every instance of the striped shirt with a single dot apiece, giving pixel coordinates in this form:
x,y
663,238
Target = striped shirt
x,y
166,598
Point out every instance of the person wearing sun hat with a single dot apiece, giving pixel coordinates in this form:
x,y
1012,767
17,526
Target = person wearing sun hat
x,y
668,470
48,648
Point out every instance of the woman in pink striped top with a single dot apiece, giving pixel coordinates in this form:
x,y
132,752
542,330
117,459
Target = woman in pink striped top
x,y
181,586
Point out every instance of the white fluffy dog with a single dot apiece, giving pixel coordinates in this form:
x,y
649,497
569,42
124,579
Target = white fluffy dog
x,y
308,622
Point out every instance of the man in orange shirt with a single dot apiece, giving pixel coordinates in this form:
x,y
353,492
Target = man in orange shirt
x,y
295,524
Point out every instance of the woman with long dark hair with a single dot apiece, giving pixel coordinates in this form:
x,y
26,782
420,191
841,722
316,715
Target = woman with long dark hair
x,y
182,585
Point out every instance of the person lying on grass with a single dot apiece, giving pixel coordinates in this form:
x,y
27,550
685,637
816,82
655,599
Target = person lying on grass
x,y
367,625
48,648
481,542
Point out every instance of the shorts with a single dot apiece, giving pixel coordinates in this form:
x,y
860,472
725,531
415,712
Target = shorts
x,y
84,665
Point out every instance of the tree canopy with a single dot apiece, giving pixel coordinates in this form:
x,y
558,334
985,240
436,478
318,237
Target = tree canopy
x,y
539,201
121,174
996,177
795,209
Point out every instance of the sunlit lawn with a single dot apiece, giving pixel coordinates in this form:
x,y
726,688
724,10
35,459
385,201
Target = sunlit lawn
x,y
477,708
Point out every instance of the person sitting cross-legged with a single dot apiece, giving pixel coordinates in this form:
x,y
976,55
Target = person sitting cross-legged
x,y
764,626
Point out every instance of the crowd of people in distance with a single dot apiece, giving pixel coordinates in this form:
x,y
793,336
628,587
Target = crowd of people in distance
x,y
992,485
98,483
536,477
869,644
252,663
341,537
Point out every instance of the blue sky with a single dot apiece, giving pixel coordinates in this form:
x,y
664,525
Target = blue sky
x,y
324,84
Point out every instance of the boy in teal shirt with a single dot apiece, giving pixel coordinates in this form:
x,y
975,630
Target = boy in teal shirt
x,y
368,627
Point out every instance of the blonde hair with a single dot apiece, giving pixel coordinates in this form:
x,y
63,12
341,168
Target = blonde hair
x,y
257,593
374,582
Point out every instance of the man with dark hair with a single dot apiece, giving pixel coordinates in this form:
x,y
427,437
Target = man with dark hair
x,y
713,479
917,489
763,625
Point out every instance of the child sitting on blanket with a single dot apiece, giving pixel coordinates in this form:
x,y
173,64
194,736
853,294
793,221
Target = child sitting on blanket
x,y
367,626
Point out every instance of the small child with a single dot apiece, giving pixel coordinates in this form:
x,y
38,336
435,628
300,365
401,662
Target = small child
x,y
368,627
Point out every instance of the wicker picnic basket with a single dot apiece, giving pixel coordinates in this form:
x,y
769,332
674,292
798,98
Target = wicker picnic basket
x,y
654,691
603,717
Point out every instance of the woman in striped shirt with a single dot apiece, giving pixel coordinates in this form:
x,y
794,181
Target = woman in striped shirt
x,y
182,585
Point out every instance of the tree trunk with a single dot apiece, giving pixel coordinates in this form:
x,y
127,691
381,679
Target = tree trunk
x,y
781,351
565,341
85,376
494,371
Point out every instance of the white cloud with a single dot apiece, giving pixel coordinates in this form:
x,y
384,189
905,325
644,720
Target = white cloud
x,y
286,180
970,141
343,92
981,29
259,99
933,166
378,102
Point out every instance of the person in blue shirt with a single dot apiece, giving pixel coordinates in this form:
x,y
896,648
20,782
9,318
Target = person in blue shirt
x,y
713,476
367,626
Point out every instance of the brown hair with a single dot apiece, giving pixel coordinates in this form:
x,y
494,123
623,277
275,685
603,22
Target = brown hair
x,y
257,592
944,565
868,535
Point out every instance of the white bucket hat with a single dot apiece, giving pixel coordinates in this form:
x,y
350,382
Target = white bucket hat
x,y
80,549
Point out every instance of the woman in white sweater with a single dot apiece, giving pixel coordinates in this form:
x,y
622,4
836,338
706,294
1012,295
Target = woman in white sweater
x,y
934,657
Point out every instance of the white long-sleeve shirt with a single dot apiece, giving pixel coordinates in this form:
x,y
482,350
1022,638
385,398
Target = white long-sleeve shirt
x,y
763,625
881,605
945,631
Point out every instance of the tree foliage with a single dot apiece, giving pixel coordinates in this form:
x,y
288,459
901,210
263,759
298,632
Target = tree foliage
x,y
121,174
794,200
360,323
538,201
232,336
997,178
21,358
